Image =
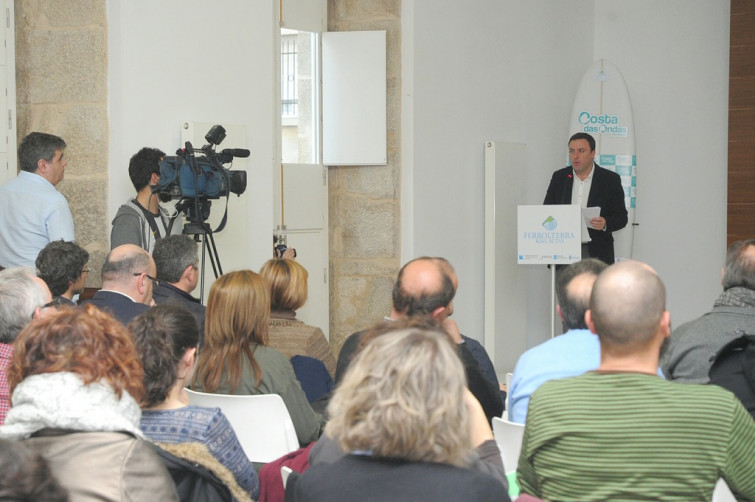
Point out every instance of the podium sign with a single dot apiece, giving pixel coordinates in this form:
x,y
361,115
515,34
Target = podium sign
x,y
549,234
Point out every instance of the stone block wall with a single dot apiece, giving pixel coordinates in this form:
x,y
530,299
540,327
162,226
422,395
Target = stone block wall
x,y
61,78
364,212
61,88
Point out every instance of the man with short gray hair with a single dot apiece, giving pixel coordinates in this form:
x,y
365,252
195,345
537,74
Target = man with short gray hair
x,y
570,354
127,282
177,261
23,297
32,211
686,357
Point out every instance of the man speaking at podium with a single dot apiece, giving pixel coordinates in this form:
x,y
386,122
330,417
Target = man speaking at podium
x,y
588,185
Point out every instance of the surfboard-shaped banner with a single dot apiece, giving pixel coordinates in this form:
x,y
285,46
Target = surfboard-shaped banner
x,y
602,108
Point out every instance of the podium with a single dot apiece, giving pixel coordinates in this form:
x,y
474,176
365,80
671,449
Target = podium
x,y
549,235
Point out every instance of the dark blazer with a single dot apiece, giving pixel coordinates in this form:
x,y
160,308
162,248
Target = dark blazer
x,y
168,293
121,306
605,191
357,477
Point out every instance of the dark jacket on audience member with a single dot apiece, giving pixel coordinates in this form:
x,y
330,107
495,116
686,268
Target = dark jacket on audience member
x,y
487,458
168,293
734,369
119,305
359,477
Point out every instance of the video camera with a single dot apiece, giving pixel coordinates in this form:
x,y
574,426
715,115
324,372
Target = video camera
x,y
199,173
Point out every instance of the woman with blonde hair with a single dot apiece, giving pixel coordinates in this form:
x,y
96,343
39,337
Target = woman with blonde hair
x,y
236,359
407,421
76,383
287,280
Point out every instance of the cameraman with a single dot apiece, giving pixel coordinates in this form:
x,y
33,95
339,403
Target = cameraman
x,y
141,221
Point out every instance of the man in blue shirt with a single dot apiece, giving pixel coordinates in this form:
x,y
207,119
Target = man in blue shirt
x,y
32,212
573,353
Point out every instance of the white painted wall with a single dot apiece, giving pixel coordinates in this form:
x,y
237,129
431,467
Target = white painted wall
x,y
677,71
178,60
508,71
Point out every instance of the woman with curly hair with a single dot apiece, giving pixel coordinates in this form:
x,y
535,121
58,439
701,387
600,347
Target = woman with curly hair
x,y
76,381
236,359
167,338
408,423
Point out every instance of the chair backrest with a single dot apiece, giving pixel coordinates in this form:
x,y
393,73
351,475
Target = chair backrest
x,y
509,378
285,473
722,492
261,422
508,436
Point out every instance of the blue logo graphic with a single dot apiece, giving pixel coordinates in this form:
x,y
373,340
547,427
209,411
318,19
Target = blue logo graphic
x,y
550,223
602,124
587,118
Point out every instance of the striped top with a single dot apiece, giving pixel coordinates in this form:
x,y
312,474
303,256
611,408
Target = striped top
x,y
626,436
208,426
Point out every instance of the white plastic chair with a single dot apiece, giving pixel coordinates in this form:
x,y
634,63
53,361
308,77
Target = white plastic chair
x,y
509,377
508,436
285,472
261,422
722,492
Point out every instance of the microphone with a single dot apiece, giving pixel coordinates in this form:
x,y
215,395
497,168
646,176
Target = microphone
x,y
235,152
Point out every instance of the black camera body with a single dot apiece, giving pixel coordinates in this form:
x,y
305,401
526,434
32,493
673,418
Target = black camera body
x,y
280,249
199,173
209,180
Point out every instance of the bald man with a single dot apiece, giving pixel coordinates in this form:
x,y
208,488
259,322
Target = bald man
x,y
128,277
425,287
622,431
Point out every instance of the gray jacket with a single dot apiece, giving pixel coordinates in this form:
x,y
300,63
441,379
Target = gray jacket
x,y
130,226
687,354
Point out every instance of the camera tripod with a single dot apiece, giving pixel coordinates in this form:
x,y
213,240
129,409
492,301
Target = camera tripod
x,y
196,226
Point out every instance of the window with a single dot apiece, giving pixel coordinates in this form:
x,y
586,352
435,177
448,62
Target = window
x,y
299,97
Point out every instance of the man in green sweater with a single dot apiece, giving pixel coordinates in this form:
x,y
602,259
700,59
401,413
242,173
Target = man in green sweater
x,y
623,433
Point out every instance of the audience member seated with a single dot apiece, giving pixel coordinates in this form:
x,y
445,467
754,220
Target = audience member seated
x,y
487,456
23,297
167,339
25,476
687,354
409,425
127,281
570,354
287,280
624,433
236,359
473,346
733,369
76,381
63,266
426,286
177,261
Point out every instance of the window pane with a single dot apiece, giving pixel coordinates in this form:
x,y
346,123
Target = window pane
x,y
298,97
